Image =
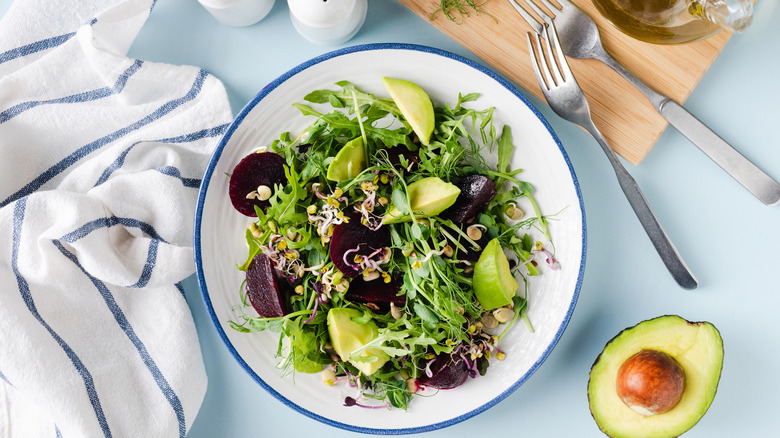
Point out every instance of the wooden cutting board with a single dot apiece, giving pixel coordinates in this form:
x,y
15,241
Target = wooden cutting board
x,y
625,117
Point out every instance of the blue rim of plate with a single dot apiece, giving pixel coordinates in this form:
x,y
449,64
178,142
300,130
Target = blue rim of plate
x,y
210,170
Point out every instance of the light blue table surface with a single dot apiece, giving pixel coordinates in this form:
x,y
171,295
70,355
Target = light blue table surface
x,y
728,238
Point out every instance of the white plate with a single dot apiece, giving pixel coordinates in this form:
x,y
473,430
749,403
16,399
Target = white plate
x,y
219,231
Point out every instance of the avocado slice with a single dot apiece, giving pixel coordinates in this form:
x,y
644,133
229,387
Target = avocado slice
x,y
493,282
698,350
415,106
346,336
348,162
429,196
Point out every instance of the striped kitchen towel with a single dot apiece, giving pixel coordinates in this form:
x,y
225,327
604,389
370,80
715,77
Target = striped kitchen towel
x,y
100,162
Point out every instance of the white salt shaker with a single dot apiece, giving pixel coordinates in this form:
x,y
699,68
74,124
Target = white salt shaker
x,y
328,22
238,12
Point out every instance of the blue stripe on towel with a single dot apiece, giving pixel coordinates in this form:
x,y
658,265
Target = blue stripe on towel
x,y
5,379
24,289
35,47
74,98
186,138
174,172
151,260
57,432
124,324
106,222
38,46
87,149
197,135
120,160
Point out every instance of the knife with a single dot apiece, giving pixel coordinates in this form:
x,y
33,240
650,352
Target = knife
x,y
721,152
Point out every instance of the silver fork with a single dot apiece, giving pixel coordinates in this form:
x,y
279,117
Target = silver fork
x,y
568,101
580,39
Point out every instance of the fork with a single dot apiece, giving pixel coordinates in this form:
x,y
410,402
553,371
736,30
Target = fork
x,y
566,99
580,39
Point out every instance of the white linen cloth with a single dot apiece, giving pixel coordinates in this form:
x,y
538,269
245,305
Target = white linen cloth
x,y
100,162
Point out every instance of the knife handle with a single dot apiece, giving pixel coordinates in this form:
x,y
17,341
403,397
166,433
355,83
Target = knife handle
x,y
729,159
721,152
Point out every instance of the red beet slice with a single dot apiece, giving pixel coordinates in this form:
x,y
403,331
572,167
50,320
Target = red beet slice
x,y
257,169
472,255
376,292
351,235
396,152
476,192
262,288
447,372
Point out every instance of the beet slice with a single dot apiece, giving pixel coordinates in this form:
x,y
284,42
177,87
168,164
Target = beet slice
x,y
262,288
376,292
473,255
476,192
256,169
396,152
447,372
350,235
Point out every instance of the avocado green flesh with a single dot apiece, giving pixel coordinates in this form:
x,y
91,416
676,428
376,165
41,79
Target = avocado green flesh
x,y
348,162
429,196
697,347
415,105
493,282
346,336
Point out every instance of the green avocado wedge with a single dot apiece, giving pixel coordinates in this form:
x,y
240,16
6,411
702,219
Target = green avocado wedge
x,y
429,196
493,282
347,336
348,162
415,105
696,346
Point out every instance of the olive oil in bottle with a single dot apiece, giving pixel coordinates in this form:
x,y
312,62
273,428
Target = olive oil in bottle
x,y
676,21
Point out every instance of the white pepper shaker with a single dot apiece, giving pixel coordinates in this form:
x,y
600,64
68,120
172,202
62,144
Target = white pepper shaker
x,y
238,12
328,22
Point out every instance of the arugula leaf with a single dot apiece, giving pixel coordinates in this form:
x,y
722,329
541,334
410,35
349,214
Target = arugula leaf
x,y
505,148
411,291
343,99
400,201
396,393
254,249
427,315
304,354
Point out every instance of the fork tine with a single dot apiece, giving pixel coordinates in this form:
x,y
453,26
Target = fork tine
x,y
544,15
549,67
551,6
534,63
560,59
533,22
565,3
542,71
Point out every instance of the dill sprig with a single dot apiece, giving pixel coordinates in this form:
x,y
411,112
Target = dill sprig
x,y
457,10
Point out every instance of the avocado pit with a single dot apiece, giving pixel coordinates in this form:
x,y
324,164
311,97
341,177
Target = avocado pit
x,y
650,382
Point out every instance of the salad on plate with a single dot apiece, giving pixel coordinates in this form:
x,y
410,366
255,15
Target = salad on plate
x,y
387,245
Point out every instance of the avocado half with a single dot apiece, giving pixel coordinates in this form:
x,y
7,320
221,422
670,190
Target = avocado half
x,y
696,346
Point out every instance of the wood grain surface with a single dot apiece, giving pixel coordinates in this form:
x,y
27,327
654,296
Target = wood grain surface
x,y
622,114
